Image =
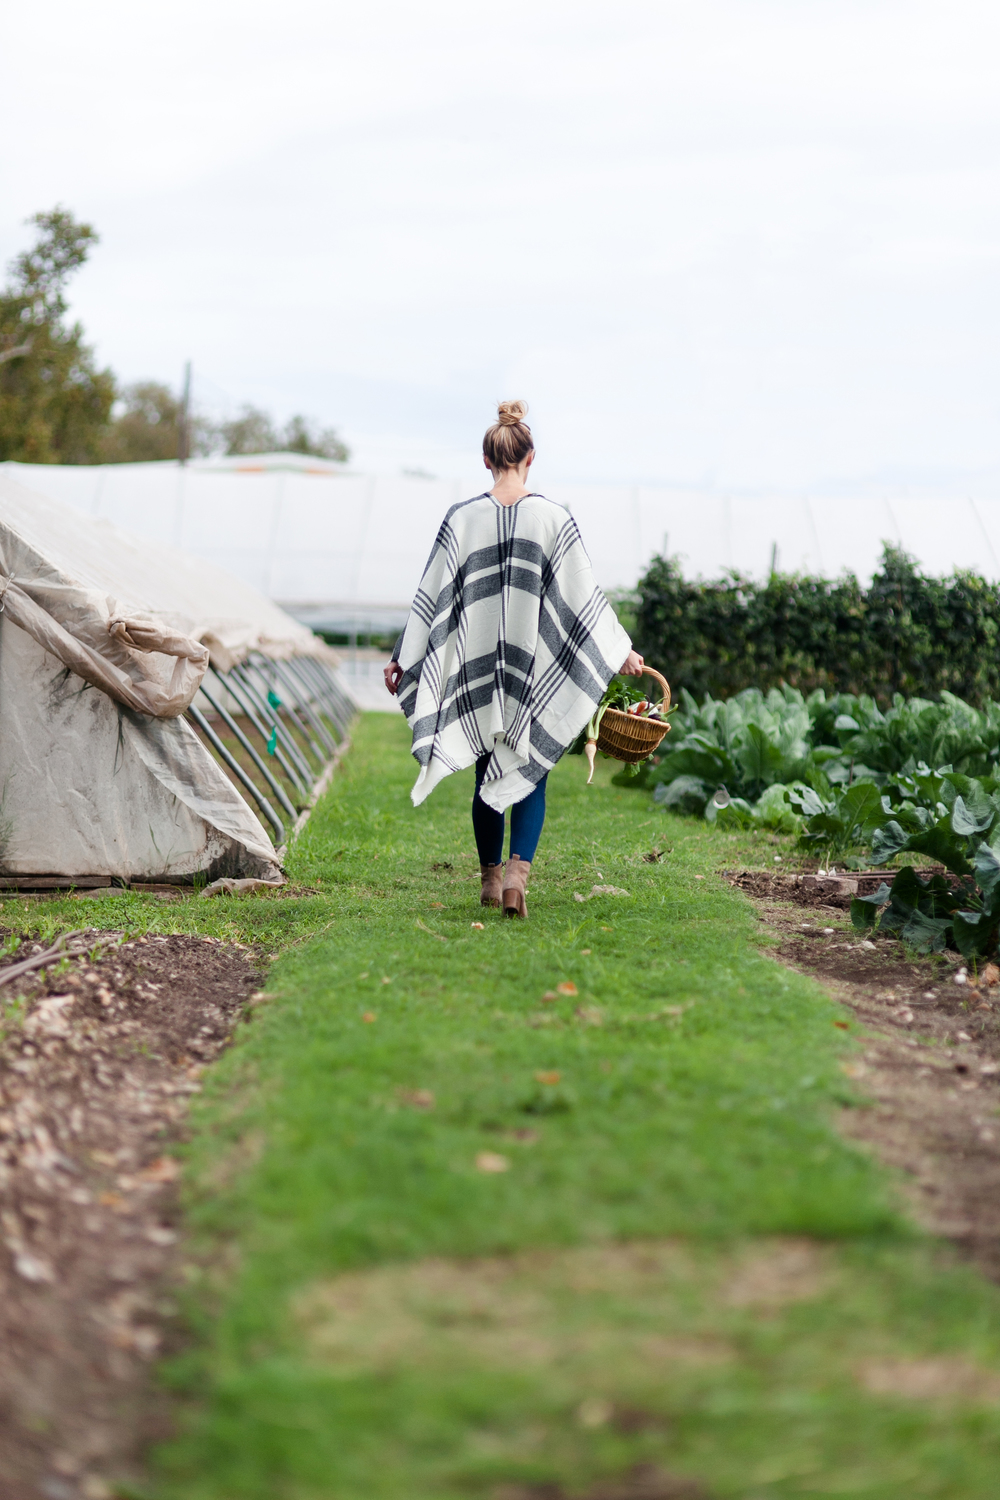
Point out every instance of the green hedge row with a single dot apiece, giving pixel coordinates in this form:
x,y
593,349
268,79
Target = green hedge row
x,y
905,634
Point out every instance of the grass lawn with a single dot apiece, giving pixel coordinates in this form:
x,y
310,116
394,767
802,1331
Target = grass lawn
x,y
453,1229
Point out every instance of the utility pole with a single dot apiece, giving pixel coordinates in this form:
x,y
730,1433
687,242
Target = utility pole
x,y
184,426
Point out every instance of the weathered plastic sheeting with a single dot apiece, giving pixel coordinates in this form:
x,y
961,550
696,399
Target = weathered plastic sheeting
x,y
109,640
360,541
113,650
298,537
140,576
89,788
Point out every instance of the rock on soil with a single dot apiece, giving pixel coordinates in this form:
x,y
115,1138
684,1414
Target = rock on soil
x,y
930,1067
97,1067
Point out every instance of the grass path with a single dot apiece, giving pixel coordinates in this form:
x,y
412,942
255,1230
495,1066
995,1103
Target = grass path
x,y
670,1256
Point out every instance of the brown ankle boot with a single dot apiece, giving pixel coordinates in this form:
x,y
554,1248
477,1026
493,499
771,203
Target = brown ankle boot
x,y
515,887
492,885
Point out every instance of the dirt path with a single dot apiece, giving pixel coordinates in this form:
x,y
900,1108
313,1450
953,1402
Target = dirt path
x,y
97,1066
930,1065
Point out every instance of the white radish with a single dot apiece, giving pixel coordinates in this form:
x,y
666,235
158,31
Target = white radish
x,y
590,751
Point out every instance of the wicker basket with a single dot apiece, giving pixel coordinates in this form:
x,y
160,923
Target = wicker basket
x,y
630,737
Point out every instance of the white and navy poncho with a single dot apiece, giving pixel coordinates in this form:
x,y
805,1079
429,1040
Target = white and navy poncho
x,y
508,647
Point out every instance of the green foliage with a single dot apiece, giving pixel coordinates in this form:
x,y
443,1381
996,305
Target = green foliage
x,y
146,428
625,603
56,406
255,431
623,692
746,744
54,401
933,913
841,822
905,634
920,911
755,740
950,732
761,761
953,820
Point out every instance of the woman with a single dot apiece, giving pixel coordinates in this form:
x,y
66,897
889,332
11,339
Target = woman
x,y
508,648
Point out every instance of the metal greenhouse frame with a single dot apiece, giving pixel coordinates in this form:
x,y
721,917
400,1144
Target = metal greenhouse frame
x,y
277,727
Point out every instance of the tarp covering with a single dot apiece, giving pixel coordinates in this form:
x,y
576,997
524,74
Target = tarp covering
x,y
103,640
137,661
122,598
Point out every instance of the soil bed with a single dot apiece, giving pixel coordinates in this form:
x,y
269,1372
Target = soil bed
x,y
97,1065
819,890
931,1062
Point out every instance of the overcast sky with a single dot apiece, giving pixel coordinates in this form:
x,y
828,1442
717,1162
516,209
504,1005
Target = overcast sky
x,y
749,244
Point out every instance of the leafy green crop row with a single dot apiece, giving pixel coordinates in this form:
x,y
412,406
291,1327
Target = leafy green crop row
x,y
848,778
954,820
754,742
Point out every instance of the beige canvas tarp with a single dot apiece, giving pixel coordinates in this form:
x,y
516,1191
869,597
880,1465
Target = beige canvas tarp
x,y
103,643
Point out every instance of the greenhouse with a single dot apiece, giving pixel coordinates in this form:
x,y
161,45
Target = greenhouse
x,y
148,699
343,551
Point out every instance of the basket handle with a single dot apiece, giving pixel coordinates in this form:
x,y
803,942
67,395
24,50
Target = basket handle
x,y
664,684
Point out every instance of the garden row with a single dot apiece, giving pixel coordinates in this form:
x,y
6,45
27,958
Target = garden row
x,y
858,785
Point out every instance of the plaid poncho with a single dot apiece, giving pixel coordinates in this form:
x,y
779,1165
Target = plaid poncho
x,y
508,647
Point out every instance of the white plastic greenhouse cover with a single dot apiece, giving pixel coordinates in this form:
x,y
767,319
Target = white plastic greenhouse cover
x,y
321,541
89,786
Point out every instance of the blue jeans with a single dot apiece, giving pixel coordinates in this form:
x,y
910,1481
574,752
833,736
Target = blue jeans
x,y
526,819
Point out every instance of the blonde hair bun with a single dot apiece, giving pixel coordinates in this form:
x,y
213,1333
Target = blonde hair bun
x,y
508,442
509,413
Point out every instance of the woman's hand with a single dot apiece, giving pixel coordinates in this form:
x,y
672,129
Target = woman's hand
x,y
632,666
393,675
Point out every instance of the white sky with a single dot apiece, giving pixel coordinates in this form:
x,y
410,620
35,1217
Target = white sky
x,y
745,243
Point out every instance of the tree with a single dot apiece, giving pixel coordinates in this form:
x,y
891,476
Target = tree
x,y
55,403
254,431
302,436
147,427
